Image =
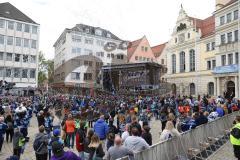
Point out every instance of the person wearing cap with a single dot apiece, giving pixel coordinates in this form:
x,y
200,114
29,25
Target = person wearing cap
x,y
54,138
3,127
60,154
118,150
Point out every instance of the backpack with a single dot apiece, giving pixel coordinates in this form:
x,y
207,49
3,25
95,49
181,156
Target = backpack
x,y
38,143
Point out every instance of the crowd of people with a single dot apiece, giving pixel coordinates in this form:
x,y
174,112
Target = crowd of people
x,y
106,126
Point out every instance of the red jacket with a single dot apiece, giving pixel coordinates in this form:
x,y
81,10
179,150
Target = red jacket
x,y
80,136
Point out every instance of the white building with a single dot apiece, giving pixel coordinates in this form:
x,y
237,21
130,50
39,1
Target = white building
x,y
226,73
19,39
79,54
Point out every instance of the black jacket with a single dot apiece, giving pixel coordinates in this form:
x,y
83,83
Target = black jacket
x,y
147,137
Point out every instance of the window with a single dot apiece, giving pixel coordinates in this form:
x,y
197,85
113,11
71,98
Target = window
x,y
26,42
9,40
140,58
112,55
16,73
34,29
223,59
87,76
229,36
136,58
192,60
88,52
173,63
223,39
208,65
75,76
98,32
182,62
18,42
222,20
213,64
108,35
229,17
175,40
148,59
211,88
24,73
100,54
99,64
146,48
208,47
188,35
76,50
2,39
144,58
33,59
8,72
10,25
230,59
162,61
88,63
88,41
236,35
32,73
9,57
119,56
1,55
26,28
213,45
2,23
235,15
19,27
34,44
108,55
192,89
236,58
17,57
142,48
1,72
25,58
76,38
100,43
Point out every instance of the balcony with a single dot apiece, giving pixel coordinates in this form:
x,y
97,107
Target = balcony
x,y
226,69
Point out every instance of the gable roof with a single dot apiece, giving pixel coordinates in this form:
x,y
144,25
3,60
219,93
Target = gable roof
x,y
207,26
7,10
132,47
157,50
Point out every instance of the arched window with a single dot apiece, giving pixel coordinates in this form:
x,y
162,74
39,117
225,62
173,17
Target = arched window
x,y
192,60
182,61
173,63
211,88
192,88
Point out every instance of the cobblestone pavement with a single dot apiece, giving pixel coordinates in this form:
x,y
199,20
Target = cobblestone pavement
x,y
224,153
33,129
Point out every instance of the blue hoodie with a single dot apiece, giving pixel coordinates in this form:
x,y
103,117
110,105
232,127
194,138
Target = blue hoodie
x,y
101,129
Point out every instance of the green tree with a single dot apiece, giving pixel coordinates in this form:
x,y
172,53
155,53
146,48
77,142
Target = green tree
x,y
45,70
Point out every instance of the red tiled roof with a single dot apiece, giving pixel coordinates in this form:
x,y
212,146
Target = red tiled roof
x,y
207,26
132,47
157,50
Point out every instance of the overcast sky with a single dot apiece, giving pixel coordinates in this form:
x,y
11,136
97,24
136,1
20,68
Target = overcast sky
x,y
127,19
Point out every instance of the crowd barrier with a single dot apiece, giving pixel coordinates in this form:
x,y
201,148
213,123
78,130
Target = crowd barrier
x,y
178,147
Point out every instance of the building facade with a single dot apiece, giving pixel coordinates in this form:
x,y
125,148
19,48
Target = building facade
x,y
190,56
19,41
226,73
140,51
80,53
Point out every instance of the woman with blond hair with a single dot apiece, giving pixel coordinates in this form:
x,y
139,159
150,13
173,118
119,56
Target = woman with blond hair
x,y
169,132
96,149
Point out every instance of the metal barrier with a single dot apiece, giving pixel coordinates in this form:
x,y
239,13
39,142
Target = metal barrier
x,y
178,147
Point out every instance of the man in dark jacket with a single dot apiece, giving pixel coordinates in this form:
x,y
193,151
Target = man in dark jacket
x,y
40,144
101,128
201,119
135,124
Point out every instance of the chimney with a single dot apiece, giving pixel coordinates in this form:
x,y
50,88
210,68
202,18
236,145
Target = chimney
x,y
221,3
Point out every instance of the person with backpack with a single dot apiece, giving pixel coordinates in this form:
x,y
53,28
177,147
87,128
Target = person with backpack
x,y
55,137
40,144
80,137
18,142
9,130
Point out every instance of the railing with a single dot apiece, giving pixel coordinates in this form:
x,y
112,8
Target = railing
x,y
170,149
